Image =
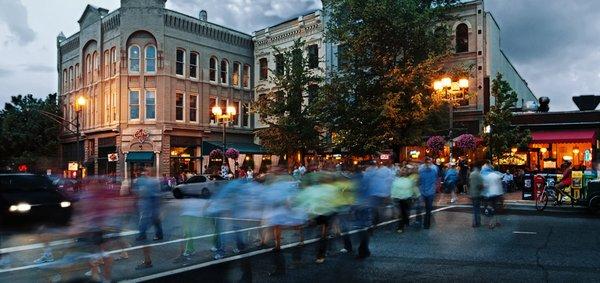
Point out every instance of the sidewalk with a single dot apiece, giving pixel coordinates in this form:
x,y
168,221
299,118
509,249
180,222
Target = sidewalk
x,y
509,198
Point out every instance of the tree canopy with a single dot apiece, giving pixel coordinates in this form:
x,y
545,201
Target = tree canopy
x,y
27,136
285,108
503,135
389,52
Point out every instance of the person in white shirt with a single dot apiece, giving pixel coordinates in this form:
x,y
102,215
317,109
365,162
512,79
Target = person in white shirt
x,y
492,192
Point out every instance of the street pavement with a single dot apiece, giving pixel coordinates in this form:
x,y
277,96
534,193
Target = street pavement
x,y
557,245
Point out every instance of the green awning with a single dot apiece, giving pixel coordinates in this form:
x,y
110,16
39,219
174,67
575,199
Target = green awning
x,y
140,156
246,148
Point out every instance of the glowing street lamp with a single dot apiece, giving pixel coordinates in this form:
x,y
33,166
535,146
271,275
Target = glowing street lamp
x,y
451,91
80,102
230,112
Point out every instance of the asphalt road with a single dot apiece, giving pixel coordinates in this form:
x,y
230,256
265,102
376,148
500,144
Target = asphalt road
x,y
558,245
551,247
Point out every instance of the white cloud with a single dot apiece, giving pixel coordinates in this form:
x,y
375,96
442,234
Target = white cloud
x,y
14,15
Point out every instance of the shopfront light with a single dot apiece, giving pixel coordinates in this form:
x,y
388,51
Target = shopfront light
x,y
231,111
65,204
437,85
463,83
576,150
543,150
21,207
217,111
446,82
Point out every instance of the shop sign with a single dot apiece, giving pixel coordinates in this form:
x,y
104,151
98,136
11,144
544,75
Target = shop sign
x,y
141,135
113,157
73,166
384,157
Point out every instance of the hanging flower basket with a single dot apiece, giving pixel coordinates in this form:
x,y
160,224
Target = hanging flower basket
x,y
216,154
232,153
466,142
436,143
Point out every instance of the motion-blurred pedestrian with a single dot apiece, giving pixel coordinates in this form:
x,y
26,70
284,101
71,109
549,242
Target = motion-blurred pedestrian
x,y
475,189
428,173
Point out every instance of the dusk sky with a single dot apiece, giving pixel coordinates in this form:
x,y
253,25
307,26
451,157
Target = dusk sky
x,y
552,43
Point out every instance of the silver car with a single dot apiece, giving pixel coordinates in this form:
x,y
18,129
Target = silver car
x,y
198,186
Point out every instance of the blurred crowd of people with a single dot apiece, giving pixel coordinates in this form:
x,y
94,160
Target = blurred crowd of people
x,y
335,202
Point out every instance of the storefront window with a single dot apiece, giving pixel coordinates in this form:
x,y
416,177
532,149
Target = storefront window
x,y
183,160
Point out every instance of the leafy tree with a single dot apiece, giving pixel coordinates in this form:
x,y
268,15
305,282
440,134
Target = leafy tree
x,y
26,136
286,107
503,135
390,52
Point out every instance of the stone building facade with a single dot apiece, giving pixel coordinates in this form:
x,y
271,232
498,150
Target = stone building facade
x,y
476,45
150,77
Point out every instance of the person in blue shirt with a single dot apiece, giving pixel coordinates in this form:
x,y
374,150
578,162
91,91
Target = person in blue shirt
x,y
428,174
450,182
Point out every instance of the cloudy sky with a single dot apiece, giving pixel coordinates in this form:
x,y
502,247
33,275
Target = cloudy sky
x,y
552,43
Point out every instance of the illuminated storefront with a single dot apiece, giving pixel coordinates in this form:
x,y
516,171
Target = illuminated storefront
x,y
550,149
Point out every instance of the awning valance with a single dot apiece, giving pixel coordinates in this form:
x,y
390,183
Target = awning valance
x,y
140,156
563,136
249,148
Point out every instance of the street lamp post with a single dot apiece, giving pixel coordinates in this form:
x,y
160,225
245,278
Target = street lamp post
x,y
80,102
450,91
226,118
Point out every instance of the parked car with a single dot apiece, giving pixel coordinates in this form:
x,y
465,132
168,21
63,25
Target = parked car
x,y
198,186
27,197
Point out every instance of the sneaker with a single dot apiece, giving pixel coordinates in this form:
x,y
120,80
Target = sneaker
x,y
213,249
400,231
47,257
236,250
188,254
320,260
343,251
217,256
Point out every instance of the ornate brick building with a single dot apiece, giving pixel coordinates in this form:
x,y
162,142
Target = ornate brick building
x,y
150,76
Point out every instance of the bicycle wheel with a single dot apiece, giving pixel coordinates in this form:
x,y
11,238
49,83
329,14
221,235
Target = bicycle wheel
x,y
541,201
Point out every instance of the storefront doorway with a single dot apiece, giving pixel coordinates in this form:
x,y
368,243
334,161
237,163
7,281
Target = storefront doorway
x,y
138,161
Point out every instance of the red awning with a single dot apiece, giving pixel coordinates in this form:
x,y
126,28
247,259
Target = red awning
x,y
563,136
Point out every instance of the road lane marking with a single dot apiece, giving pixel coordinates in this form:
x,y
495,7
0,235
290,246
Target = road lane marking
x,y
525,232
60,242
107,236
208,236
258,252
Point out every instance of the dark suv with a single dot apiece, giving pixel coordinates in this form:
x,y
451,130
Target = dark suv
x,y
32,197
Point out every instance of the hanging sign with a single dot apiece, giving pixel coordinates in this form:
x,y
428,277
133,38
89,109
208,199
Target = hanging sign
x,y
113,157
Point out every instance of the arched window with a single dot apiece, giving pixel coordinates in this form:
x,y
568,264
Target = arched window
x,y
213,69
71,79
246,76
194,65
263,68
106,65
235,76
113,61
462,38
134,59
77,76
65,80
224,71
150,57
88,69
96,65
